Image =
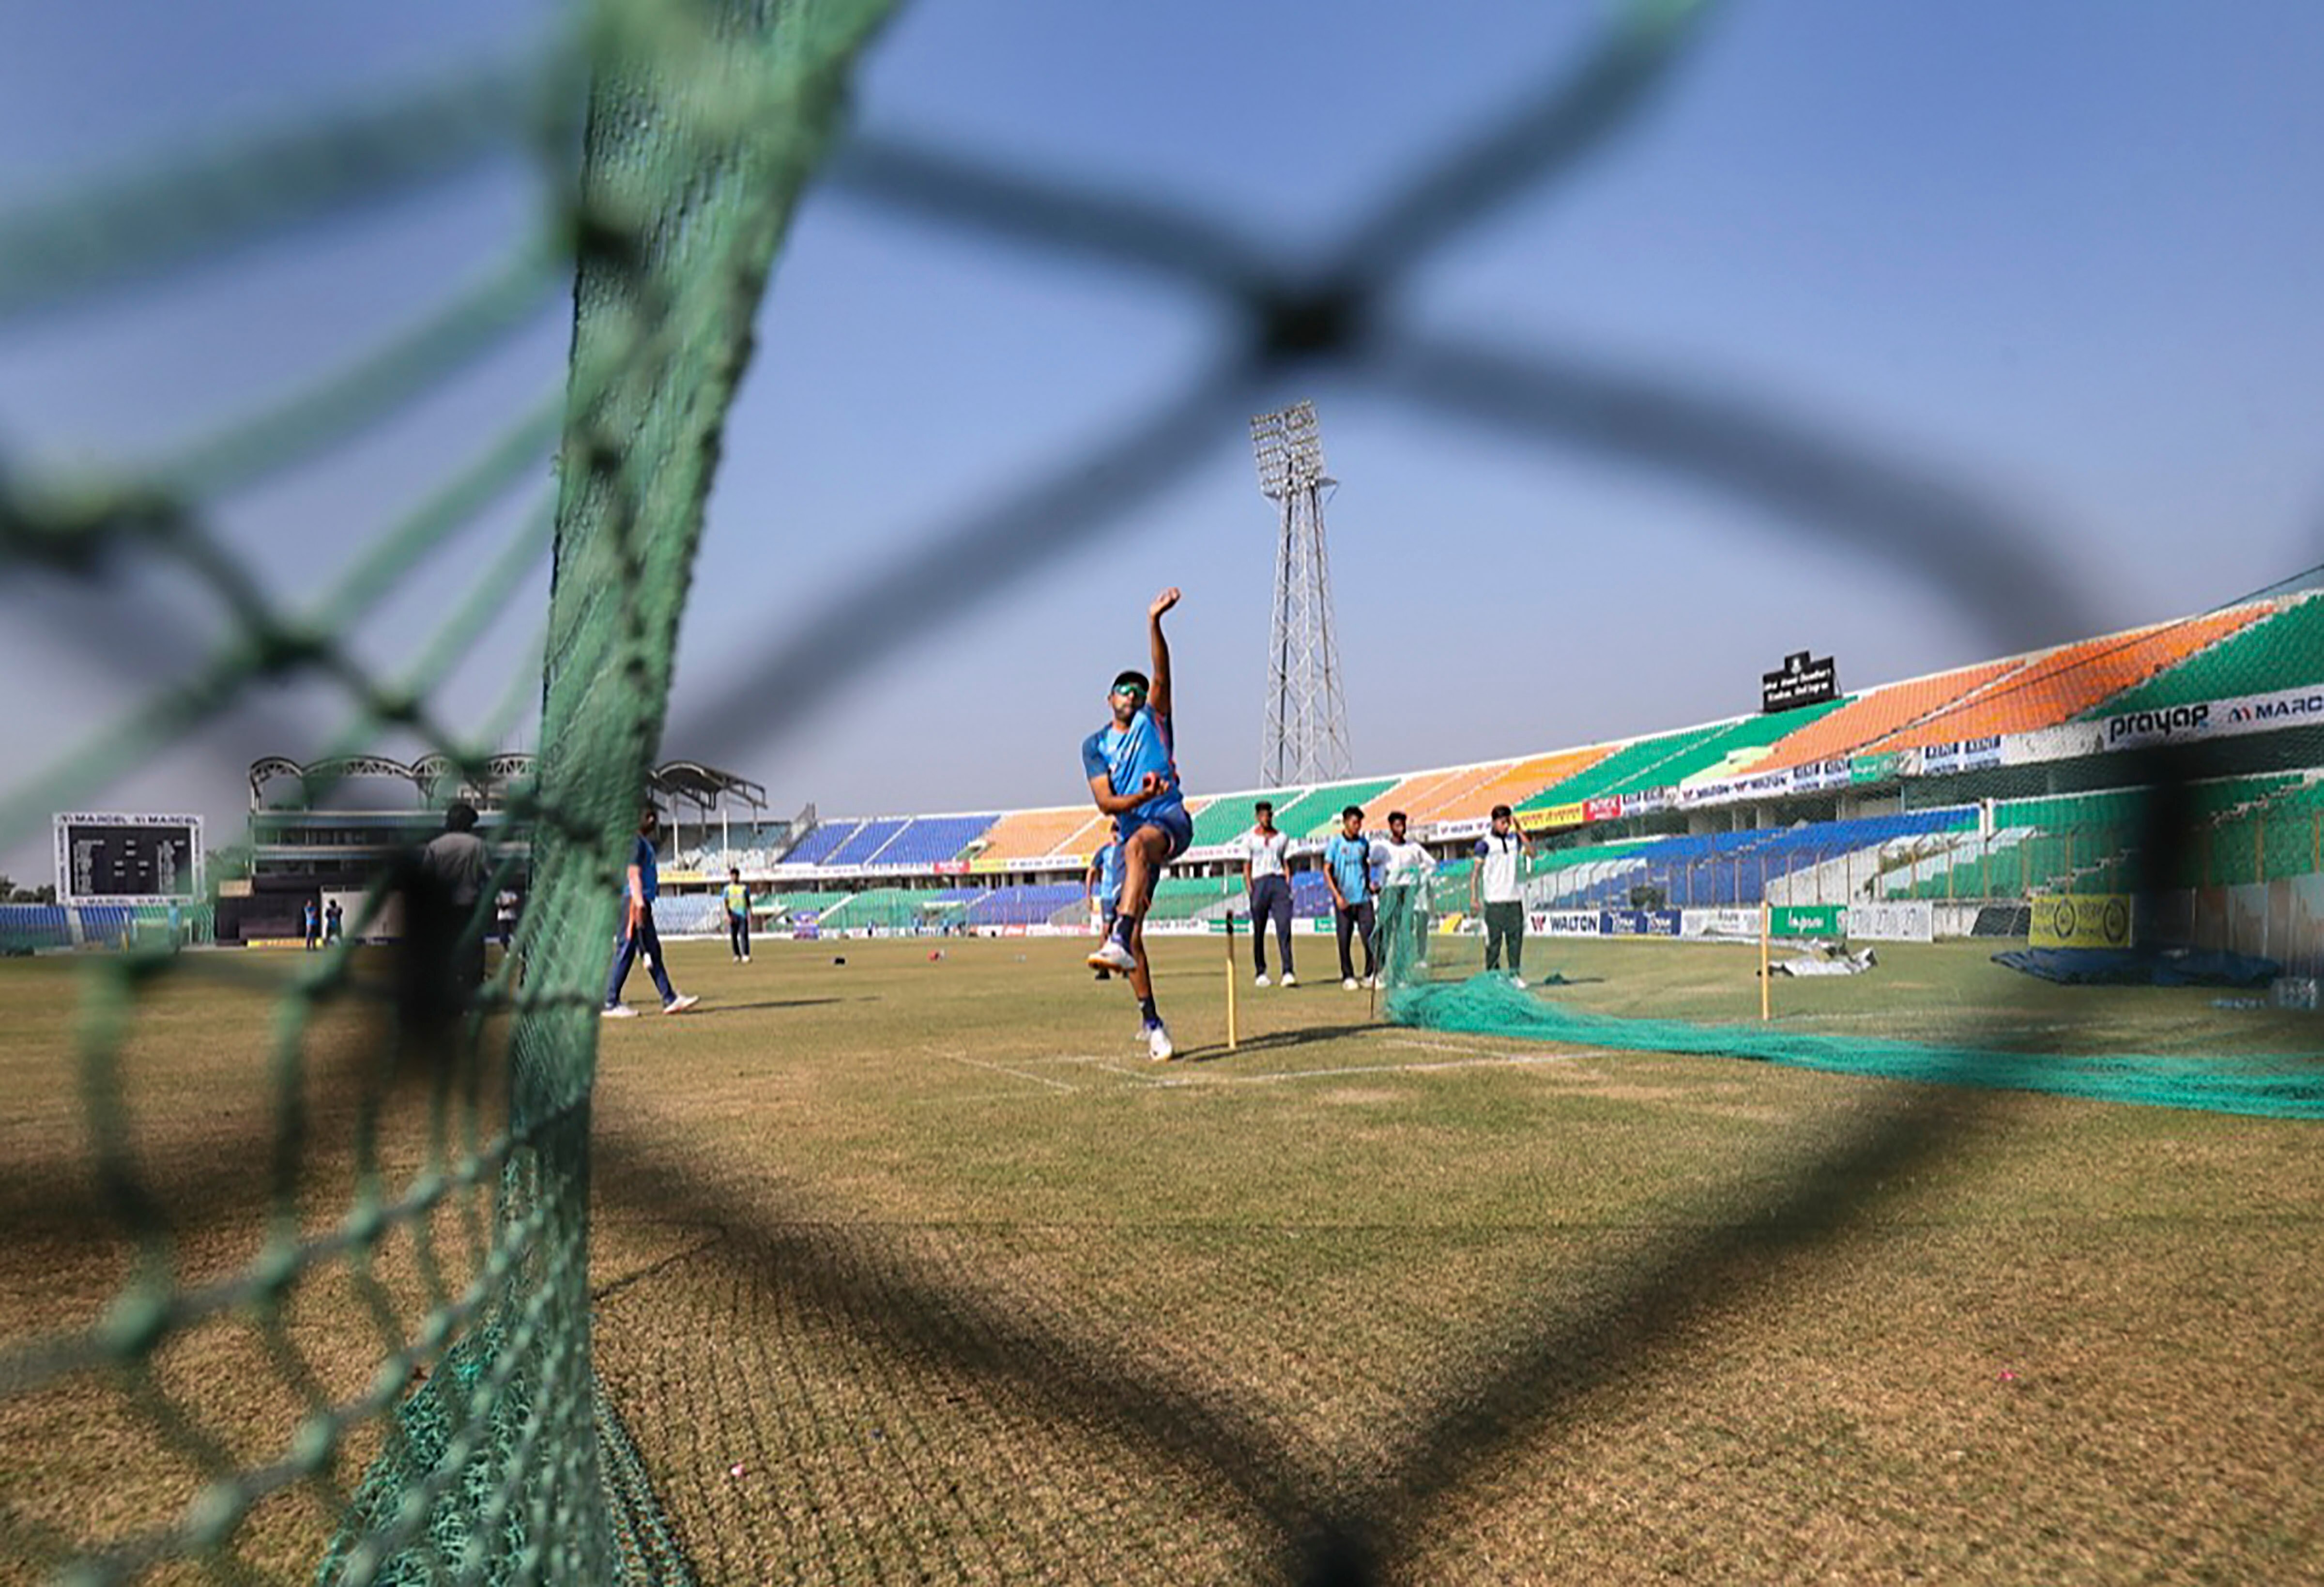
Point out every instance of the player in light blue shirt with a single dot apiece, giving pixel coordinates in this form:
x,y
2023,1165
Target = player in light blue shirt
x,y
1348,872
1133,775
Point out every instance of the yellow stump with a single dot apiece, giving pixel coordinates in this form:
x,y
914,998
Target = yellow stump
x,y
1766,923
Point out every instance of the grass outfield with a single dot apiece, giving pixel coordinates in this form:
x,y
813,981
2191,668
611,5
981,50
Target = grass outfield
x,y
915,1270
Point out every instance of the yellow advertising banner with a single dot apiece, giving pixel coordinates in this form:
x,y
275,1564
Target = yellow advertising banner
x,y
1553,815
2082,920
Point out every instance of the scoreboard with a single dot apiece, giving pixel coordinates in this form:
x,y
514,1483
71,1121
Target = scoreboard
x,y
115,859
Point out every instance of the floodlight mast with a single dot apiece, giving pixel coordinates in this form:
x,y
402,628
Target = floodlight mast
x,y
1305,739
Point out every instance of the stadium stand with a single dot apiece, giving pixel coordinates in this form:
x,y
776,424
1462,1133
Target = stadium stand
x,y
1184,897
2282,649
1317,812
1740,747
1311,896
1865,719
1030,835
1515,783
930,840
866,841
1228,816
1823,861
33,928
2056,687
1625,766
1423,790
1566,875
819,846
891,907
806,906
1025,906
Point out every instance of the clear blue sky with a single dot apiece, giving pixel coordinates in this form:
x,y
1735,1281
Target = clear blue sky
x,y
2060,255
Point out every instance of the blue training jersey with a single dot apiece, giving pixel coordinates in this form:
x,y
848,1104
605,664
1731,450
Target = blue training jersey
x,y
1124,755
1351,860
649,872
1108,873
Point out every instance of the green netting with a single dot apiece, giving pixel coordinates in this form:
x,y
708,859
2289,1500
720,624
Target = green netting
x,y
2287,1086
457,1258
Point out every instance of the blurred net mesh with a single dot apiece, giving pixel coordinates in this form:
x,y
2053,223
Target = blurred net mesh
x,y
439,1196
461,1144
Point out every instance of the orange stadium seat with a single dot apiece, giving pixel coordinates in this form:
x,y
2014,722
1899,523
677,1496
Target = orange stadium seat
x,y
1421,789
1509,782
1029,834
2059,687
1876,714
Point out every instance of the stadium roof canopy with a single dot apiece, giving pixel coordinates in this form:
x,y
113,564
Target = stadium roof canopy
x,y
439,776
704,786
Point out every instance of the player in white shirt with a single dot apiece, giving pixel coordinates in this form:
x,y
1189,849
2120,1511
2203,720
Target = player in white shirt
x,y
1499,876
1267,876
1404,900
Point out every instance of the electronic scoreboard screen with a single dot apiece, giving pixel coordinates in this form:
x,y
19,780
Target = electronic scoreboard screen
x,y
116,859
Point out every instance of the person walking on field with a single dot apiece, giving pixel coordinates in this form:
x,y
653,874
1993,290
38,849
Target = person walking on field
x,y
641,885
1348,872
1267,876
1404,900
1498,878
1133,767
738,917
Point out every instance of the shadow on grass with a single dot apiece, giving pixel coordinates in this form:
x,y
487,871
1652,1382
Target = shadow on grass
x,y
1277,1042
711,1011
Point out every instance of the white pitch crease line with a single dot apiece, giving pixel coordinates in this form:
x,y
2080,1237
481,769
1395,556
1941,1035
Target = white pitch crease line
x,y
1013,1074
1146,1077
1497,1060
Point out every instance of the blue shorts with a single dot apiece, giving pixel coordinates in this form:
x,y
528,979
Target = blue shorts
x,y
1173,822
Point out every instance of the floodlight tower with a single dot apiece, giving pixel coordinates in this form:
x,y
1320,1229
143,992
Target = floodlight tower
x,y
1306,738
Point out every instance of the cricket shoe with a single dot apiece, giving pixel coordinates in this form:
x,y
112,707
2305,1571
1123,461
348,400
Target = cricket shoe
x,y
1289,979
680,1003
618,1011
1110,955
1158,1045
1262,979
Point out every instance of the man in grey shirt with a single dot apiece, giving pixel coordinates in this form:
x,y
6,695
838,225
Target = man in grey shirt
x,y
455,867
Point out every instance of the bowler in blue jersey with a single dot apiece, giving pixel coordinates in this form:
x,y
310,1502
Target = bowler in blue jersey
x,y
1133,775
